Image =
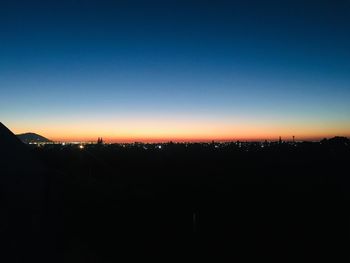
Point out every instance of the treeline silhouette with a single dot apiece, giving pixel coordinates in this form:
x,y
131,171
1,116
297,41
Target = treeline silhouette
x,y
281,202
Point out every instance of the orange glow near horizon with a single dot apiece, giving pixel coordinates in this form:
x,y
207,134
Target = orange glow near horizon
x,y
186,130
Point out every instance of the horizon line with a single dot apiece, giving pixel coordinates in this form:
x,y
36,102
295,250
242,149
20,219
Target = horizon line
x,y
129,141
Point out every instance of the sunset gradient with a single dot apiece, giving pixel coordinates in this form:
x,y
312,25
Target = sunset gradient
x,y
191,130
175,70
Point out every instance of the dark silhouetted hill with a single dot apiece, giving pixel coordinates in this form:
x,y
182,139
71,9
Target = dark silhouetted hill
x,y
32,138
23,200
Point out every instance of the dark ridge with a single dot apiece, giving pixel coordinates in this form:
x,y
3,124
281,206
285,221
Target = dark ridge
x,y
23,200
16,157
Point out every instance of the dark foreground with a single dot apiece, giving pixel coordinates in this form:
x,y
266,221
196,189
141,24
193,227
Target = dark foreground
x,y
280,203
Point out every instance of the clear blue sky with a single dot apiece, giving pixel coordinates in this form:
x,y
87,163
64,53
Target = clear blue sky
x,y
175,69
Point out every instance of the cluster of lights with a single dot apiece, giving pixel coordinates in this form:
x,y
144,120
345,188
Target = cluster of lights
x,y
160,146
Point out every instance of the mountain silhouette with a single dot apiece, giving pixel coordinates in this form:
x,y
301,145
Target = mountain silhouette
x,y
23,194
30,137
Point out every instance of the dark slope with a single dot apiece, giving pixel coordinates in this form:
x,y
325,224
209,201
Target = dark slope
x,y
15,157
32,138
23,194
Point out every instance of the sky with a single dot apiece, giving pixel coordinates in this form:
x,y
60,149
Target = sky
x,y
175,70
